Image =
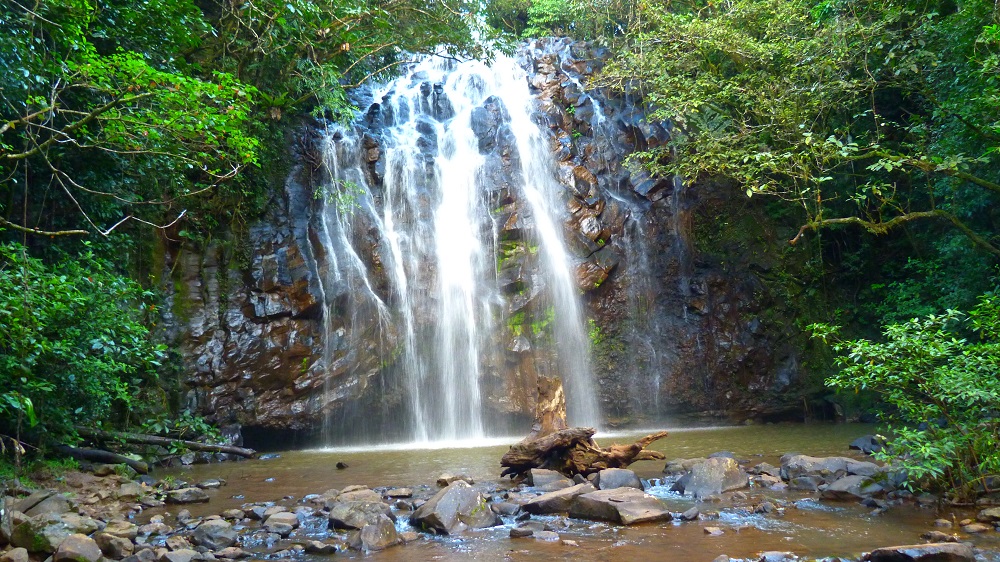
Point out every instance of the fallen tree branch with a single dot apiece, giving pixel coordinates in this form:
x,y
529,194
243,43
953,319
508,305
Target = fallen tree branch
x,y
142,439
102,456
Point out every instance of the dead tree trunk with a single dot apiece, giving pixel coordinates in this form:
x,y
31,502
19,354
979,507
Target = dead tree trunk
x,y
141,439
569,450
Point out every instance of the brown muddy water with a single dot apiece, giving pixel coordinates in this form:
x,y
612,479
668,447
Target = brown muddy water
x,y
807,527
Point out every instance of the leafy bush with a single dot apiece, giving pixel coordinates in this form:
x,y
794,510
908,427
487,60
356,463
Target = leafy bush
x,y
939,377
73,347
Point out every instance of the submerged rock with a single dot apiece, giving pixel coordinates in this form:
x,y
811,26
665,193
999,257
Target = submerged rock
x,y
454,509
931,552
187,495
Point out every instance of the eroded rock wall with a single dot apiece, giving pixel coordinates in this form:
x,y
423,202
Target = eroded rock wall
x,y
676,325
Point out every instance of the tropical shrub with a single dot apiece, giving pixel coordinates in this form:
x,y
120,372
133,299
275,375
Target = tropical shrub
x,y
74,347
939,378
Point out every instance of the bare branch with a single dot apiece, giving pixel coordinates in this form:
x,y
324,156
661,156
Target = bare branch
x,y
7,223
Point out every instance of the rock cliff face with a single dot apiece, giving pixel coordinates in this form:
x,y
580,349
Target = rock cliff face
x,y
274,338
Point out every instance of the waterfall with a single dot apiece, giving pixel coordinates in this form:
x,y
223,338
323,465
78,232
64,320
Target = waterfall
x,y
447,192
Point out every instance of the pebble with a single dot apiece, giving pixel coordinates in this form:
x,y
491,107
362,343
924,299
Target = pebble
x,y
567,542
714,531
546,536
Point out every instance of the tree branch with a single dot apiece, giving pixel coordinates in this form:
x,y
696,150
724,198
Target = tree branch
x,y
7,223
880,227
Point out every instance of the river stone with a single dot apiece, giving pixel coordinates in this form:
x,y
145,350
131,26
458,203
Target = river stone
x,y
232,553
182,555
691,514
847,488
77,548
988,515
376,536
714,476
130,491
281,523
121,528
144,555
549,536
976,528
539,477
558,501
804,483
46,532
621,505
930,552
399,493
611,478
215,534
15,555
187,495
319,547
211,484
505,508
56,503
114,547
777,556
867,444
447,478
454,509
355,515
31,501
360,495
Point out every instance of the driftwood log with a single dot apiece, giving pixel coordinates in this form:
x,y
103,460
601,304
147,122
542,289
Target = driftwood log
x,y
141,439
569,450
98,455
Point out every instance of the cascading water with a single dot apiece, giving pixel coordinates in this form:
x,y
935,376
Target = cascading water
x,y
464,180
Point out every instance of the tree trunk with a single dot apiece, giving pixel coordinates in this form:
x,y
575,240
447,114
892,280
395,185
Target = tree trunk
x,y
163,441
569,450
98,455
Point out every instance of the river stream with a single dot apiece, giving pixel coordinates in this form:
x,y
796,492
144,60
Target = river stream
x,y
806,527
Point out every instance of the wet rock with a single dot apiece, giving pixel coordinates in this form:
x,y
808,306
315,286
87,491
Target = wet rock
x,y
187,495
611,478
214,535
943,523
777,556
804,483
691,514
408,536
766,468
521,532
114,547
847,488
177,542
454,509
713,531
541,477
867,444
282,523
558,501
319,547
988,515
399,493
938,536
714,476
930,552
183,516
77,548
826,468
359,495
377,536
447,478
234,514
567,542
721,558
211,484
548,536
144,555
232,553
976,528
341,465
622,505
505,508
15,555
355,515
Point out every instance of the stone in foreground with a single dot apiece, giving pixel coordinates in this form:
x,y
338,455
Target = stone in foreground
x,y
930,552
454,509
355,515
281,523
214,534
77,548
376,536
622,505
187,495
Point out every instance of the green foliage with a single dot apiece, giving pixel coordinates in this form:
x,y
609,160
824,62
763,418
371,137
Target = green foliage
x,y
875,114
185,425
73,345
939,377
